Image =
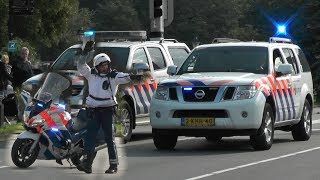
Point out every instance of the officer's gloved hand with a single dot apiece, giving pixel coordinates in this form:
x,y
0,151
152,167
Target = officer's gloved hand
x,y
88,47
136,77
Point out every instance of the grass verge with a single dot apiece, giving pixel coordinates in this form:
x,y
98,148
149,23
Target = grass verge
x,y
118,130
9,129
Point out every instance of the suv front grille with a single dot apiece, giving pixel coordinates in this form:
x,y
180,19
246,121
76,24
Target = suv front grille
x,y
200,113
76,90
173,93
200,94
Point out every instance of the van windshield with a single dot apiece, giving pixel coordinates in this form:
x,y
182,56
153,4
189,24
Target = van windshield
x,y
68,60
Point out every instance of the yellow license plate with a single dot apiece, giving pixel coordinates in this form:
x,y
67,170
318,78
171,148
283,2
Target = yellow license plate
x,y
194,121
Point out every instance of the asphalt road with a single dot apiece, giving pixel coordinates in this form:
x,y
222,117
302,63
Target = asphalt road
x,y
193,158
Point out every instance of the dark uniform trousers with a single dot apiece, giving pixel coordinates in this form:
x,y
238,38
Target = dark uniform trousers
x,y
101,116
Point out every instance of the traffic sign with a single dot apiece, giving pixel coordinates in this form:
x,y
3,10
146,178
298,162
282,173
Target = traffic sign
x,y
12,46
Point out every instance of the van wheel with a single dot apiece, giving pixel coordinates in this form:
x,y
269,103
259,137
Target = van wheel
x,y
126,119
162,141
264,138
302,130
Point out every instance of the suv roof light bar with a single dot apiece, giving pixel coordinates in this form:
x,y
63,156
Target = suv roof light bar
x,y
280,40
224,40
168,40
116,35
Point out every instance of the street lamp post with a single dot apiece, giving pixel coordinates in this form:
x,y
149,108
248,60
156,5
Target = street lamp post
x,y
195,42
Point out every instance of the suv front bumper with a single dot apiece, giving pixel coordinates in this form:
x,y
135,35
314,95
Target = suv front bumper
x,y
228,115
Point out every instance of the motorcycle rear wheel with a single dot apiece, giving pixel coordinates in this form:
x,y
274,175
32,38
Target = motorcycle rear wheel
x,y
20,153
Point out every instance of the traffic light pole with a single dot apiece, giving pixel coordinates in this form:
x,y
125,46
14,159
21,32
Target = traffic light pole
x,y
157,29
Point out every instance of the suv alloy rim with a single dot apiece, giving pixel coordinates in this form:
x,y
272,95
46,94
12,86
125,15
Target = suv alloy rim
x,y
268,127
307,119
125,122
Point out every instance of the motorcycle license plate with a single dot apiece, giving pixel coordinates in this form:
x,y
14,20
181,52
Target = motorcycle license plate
x,y
197,121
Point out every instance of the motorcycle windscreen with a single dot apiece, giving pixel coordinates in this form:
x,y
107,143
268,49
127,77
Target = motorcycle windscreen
x,y
52,88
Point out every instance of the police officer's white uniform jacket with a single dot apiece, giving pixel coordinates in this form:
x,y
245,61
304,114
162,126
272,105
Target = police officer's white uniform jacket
x,y
99,97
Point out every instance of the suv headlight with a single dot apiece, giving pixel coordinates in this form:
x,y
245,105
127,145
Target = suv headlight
x,y
162,93
245,92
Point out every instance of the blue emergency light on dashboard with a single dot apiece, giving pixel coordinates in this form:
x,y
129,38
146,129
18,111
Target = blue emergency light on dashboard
x,y
187,88
89,33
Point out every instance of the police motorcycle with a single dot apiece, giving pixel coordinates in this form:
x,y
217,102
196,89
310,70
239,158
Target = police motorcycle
x,y
45,138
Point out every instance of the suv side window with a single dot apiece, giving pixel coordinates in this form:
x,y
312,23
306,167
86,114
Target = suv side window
x,y
291,60
277,58
303,60
158,60
179,55
140,56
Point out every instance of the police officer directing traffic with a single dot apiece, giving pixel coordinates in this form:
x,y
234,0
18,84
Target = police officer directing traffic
x,y
102,82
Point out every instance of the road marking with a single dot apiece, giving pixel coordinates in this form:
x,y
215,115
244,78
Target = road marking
x,y
3,166
253,163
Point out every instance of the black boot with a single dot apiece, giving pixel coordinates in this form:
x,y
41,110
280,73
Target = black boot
x,y
112,169
86,163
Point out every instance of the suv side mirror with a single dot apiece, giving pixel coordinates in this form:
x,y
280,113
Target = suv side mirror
x,y
172,70
284,69
141,67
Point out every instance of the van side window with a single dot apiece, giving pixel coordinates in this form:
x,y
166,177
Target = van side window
x,y
179,55
303,61
158,61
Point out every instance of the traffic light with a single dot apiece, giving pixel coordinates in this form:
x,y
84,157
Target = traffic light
x,y
157,8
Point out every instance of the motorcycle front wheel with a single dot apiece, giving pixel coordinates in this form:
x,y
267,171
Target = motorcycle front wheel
x,y
20,153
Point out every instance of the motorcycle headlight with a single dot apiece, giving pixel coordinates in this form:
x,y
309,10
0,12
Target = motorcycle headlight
x,y
162,93
245,92
37,122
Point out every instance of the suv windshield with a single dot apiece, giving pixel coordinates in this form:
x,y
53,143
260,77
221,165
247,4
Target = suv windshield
x,y
68,60
227,59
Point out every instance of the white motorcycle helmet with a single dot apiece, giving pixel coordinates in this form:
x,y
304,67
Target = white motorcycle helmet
x,y
100,58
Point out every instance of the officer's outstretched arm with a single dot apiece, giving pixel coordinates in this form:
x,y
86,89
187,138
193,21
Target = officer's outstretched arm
x,y
85,56
122,78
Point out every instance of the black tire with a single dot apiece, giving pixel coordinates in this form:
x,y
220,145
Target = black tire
x,y
264,138
303,130
162,141
214,138
126,120
19,153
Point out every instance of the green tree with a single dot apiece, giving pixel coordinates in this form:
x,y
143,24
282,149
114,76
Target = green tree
x,y
117,15
3,21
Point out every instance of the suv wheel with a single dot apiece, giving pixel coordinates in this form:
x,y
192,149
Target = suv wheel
x,y
126,119
162,141
302,130
264,138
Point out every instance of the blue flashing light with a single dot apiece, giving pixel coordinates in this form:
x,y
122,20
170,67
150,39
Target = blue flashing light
x,y
89,33
282,29
187,88
62,106
54,130
39,104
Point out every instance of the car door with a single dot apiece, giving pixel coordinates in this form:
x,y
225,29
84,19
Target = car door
x,y
281,84
159,63
296,85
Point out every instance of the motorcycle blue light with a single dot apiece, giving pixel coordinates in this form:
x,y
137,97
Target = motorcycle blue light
x,y
62,106
54,130
39,104
89,33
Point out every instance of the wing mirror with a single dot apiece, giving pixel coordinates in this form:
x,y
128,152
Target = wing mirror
x,y
284,69
140,67
172,70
